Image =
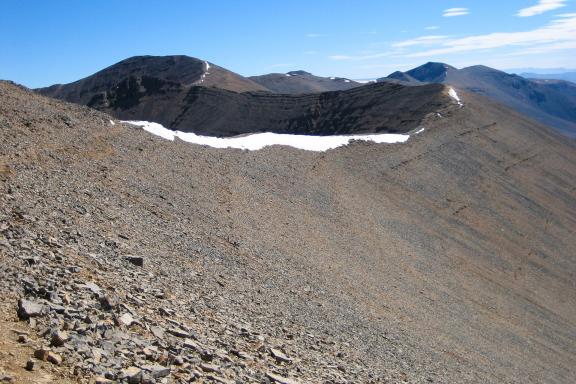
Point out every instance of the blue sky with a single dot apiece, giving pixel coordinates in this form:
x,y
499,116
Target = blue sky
x,y
45,42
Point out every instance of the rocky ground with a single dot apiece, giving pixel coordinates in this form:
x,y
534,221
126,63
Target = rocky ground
x,y
126,258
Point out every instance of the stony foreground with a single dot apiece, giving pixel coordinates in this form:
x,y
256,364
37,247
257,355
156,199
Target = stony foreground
x,y
126,258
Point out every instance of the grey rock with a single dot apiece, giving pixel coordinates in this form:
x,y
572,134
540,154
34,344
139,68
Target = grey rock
x,y
136,260
281,379
93,287
191,344
126,320
157,371
157,331
57,308
109,302
178,332
28,309
133,375
278,355
58,338
206,367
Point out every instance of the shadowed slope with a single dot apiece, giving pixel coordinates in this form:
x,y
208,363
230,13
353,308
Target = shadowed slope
x,y
208,111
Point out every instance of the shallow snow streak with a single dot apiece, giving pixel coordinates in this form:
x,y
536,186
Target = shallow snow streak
x,y
205,73
454,95
260,140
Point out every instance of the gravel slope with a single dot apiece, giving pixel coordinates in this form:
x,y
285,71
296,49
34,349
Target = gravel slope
x,y
446,259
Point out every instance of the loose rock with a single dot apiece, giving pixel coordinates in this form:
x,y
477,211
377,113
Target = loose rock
x,y
136,260
28,309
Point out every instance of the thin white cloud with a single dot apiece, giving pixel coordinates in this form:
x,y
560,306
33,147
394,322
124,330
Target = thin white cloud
x,y
451,12
422,40
314,35
311,52
432,27
541,7
560,30
361,57
562,46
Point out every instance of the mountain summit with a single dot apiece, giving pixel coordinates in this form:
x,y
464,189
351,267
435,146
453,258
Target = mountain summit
x,y
431,72
142,75
547,102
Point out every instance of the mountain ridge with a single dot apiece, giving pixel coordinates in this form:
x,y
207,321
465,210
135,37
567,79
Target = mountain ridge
x,y
545,102
133,90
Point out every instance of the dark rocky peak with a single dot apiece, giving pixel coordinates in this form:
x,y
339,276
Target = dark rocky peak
x,y
431,72
179,68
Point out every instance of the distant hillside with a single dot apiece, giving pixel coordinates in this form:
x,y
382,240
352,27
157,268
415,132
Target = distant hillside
x,y
566,76
400,76
297,82
551,103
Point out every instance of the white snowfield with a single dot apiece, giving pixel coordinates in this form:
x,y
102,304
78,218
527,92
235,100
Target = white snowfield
x,y
454,95
258,141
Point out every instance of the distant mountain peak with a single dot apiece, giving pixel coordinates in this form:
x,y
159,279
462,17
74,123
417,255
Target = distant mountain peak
x,y
299,73
299,82
551,103
431,72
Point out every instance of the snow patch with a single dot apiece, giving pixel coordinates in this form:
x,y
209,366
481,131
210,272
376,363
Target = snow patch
x,y
452,93
258,141
112,122
206,68
346,80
